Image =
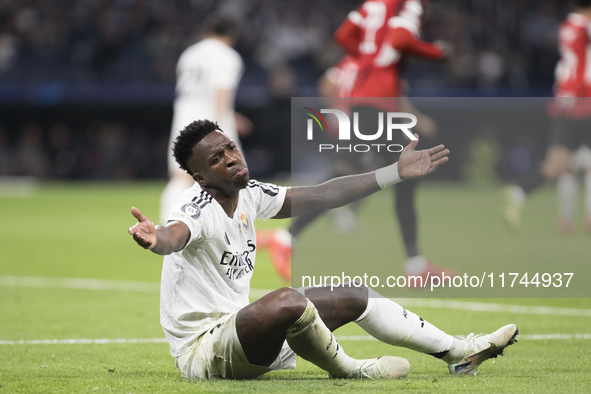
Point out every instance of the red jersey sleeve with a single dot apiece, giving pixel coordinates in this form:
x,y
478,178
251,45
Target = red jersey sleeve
x,y
348,35
404,41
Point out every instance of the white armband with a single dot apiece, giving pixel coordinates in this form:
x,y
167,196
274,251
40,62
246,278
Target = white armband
x,y
388,176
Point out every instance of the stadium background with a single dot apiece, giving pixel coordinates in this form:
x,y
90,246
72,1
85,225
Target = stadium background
x,y
86,87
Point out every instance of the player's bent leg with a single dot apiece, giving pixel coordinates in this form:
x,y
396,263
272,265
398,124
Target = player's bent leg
x,y
261,326
313,341
286,315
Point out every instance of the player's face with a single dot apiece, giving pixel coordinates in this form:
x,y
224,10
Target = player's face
x,y
219,164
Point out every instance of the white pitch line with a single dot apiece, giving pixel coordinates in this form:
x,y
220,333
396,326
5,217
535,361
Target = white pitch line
x,y
355,338
78,283
151,287
490,307
83,341
529,337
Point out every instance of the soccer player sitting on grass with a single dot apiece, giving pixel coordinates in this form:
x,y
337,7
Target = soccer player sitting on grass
x,y
210,248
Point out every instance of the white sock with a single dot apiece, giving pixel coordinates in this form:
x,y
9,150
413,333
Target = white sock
x,y
415,265
312,340
171,193
588,193
567,188
390,323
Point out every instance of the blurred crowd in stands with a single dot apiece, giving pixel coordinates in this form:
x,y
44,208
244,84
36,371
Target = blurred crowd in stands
x,y
507,44
499,43
99,150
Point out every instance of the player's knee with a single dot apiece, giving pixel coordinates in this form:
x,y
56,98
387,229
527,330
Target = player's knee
x,y
289,305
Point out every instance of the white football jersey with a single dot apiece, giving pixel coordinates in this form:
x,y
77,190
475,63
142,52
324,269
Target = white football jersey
x,y
211,276
202,69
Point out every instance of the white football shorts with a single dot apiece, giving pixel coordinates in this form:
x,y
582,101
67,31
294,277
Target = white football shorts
x,y
219,355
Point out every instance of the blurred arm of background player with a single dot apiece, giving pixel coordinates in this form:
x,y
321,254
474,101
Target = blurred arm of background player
x,y
404,41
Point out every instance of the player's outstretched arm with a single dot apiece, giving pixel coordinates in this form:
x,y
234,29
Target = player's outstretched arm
x,y
345,190
159,239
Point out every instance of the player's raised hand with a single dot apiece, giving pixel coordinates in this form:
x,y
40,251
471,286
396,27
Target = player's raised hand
x,y
418,163
144,231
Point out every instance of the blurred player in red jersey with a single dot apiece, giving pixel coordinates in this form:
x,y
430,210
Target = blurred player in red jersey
x,y
570,110
377,37
381,34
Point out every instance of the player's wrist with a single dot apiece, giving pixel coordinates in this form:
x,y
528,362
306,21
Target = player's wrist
x,y
388,176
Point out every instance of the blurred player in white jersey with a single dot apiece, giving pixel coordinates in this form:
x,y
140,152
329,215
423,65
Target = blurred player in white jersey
x,y
208,74
570,111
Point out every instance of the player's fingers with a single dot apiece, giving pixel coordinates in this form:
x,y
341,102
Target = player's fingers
x,y
440,154
137,214
135,228
141,241
437,163
413,143
436,149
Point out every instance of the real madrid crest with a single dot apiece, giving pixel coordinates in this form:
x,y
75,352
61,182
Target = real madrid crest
x,y
244,222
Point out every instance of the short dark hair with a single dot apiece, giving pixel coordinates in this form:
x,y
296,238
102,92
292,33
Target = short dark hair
x,y
220,25
582,3
188,138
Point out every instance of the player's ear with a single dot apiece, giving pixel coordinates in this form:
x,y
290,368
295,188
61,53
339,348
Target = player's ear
x,y
199,179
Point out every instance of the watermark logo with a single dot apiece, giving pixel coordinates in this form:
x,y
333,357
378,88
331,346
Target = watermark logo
x,y
388,124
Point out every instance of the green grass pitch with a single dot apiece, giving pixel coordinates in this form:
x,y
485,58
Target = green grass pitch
x,y
80,231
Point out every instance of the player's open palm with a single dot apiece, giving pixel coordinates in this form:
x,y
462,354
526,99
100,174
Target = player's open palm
x,y
144,231
418,163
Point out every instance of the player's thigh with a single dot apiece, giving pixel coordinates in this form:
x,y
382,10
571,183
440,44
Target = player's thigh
x,y
262,325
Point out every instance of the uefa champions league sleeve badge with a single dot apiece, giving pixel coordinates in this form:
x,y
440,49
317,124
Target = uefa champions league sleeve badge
x,y
192,210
